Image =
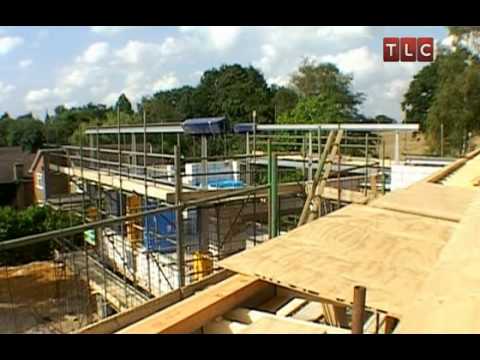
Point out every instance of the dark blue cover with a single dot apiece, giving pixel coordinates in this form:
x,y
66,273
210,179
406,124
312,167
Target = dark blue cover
x,y
159,231
205,126
243,128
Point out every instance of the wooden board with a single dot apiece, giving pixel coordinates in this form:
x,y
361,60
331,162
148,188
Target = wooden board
x,y
467,176
291,307
197,310
284,326
427,199
157,191
449,301
128,317
257,323
390,253
275,303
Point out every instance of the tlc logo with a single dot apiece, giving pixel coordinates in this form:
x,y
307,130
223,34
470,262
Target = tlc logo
x,y
408,49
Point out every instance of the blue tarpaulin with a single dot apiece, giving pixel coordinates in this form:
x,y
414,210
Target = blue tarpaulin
x,y
226,184
243,128
159,231
205,126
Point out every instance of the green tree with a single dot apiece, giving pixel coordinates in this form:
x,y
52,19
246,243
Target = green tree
x,y
33,220
6,123
469,34
234,91
457,108
61,126
124,105
420,94
284,100
383,119
325,95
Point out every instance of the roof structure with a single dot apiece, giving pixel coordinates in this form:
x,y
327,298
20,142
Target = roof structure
x,y
416,251
390,246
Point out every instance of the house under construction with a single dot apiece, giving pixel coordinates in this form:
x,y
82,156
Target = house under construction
x,y
297,232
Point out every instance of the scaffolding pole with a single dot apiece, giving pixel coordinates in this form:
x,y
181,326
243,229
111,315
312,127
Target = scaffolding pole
x,y
178,218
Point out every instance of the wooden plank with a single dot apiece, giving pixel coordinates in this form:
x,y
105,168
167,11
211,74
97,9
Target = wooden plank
x,y
449,301
157,191
128,317
284,189
466,176
222,326
310,312
335,315
447,170
348,196
260,322
431,200
388,252
194,312
274,303
291,307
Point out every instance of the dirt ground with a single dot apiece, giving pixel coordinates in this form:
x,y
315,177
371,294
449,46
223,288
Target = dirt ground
x,y
413,144
43,297
410,143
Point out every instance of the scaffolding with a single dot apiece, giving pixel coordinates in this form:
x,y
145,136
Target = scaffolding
x,y
151,224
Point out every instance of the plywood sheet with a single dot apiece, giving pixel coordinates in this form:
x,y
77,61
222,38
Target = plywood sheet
x,y
467,176
283,326
388,252
449,301
428,199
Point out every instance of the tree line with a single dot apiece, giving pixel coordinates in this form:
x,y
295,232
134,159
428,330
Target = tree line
x,y
444,94
316,93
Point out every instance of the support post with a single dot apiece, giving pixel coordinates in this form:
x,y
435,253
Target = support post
x,y
397,146
358,310
310,156
248,177
204,156
269,181
441,139
383,167
275,200
366,163
178,218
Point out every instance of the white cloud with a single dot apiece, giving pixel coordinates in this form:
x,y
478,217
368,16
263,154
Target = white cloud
x,y
269,56
360,61
95,53
34,96
8,43
39,100
5,90
109,30
136,51
218,37
25,63
166,82
144,65
336,33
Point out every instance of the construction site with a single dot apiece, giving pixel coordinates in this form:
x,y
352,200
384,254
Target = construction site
x,y
324,229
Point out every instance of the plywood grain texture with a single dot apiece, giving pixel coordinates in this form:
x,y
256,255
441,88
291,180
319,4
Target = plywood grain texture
x,y
428,199
449,301
390,253
467,176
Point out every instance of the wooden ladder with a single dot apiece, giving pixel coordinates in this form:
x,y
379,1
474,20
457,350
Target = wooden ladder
x,y
312,204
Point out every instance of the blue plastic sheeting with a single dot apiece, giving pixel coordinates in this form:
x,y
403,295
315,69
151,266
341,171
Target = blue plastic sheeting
x,y
205,126
159,231
243,128
226,184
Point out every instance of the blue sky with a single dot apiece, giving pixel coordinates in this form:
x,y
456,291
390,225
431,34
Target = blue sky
x,y
41,67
